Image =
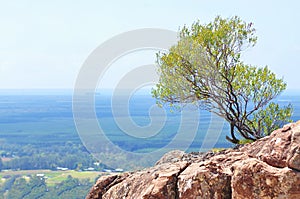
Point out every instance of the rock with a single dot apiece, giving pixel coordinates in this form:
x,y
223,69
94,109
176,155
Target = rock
x,y
172,156
267,168
104,183
204,181
294,155
159,181
253,178
280,149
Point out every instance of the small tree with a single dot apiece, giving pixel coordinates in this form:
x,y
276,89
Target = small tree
x,y
205,67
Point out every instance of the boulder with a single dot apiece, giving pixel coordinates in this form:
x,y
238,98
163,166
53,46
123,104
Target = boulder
x,y
156,182
280,149
267,168
253,178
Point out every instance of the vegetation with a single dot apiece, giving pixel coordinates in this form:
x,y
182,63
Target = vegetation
x,y
37,186
205,68
22,159
28,157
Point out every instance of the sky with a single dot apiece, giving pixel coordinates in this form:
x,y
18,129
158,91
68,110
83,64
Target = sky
x,y
43,44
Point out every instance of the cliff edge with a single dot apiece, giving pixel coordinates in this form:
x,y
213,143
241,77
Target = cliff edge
x,y
267,168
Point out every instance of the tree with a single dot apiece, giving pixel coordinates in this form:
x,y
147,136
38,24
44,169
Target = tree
x,y
205,68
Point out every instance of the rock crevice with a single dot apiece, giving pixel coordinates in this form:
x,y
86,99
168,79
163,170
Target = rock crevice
x,y
176,187
267,168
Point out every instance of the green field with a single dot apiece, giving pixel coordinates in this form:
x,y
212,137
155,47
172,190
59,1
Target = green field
x,y
54,177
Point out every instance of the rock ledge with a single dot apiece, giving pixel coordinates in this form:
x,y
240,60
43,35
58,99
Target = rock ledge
x,y
267,168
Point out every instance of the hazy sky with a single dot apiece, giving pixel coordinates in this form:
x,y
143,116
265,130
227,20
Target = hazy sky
x,y
43,44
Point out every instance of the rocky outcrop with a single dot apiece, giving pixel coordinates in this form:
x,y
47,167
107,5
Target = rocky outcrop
x,y
256,179
267,168
280,149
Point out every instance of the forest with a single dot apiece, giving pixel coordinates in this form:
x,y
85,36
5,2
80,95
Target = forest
x,y
34,186
35,170
25,157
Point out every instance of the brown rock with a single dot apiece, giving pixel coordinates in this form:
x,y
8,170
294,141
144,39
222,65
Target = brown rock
x,y
293,157
253,178
170,157
267,168
204,181
156,182
280,149
104,183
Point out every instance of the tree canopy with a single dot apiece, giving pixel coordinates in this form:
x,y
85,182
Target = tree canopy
x,y
205,68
